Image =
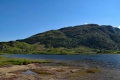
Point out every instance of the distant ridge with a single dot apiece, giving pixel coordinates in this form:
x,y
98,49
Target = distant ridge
x,y
93,36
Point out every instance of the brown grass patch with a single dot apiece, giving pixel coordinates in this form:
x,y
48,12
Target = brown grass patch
x,y
85,72
60,70
92,70
41,71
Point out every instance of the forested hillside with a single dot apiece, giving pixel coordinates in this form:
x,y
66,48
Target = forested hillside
x,y
77,39
91,35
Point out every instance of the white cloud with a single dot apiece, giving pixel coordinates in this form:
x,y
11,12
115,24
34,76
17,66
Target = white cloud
x,y
85,23
119,27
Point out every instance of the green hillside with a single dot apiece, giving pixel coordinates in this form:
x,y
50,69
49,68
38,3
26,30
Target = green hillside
x,y
68,40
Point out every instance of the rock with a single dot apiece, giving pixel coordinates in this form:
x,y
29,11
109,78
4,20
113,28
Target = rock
x,y
51,79
73,71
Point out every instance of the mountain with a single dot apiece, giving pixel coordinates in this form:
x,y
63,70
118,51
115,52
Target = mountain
x,y
74,39
88,35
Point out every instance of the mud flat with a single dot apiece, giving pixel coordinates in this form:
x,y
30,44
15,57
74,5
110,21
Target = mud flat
x,y
59,71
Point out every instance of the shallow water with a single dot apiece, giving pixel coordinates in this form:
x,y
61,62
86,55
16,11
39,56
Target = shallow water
x,y
28,72
104,60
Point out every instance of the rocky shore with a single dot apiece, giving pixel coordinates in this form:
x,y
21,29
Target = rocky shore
x,y
59,71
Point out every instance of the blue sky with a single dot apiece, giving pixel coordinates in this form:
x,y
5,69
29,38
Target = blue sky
x,y
20,19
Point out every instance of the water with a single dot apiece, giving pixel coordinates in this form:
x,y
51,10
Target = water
x,y
110,60
28,72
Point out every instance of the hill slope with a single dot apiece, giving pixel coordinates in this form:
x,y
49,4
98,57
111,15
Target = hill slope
x,y
90,35
72,39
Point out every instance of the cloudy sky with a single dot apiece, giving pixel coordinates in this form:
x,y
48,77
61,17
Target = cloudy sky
x,y
22,18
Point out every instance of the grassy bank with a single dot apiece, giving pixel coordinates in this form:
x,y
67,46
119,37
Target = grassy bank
x,y
22,47
25,48
12,61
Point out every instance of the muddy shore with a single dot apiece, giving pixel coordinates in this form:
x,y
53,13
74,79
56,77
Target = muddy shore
x,y
60,71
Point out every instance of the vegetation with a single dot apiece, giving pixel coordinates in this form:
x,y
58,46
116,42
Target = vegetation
x,y
13,61
68,40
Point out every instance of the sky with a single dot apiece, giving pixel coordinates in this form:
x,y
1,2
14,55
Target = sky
x,y
20,19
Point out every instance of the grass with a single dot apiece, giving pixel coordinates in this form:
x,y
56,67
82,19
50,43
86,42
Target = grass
x,y
12,61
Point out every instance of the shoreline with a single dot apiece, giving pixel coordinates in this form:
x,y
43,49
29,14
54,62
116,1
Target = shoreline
x,y
85,69
62,71
42,72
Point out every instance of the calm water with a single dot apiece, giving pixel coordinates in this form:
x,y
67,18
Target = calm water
x,y
111,60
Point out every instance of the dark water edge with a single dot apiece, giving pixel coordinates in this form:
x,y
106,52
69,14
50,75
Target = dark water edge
x,y
95,60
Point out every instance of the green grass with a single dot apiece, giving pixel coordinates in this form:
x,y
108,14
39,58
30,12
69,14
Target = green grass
x,y
13,61
37,48
15,47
